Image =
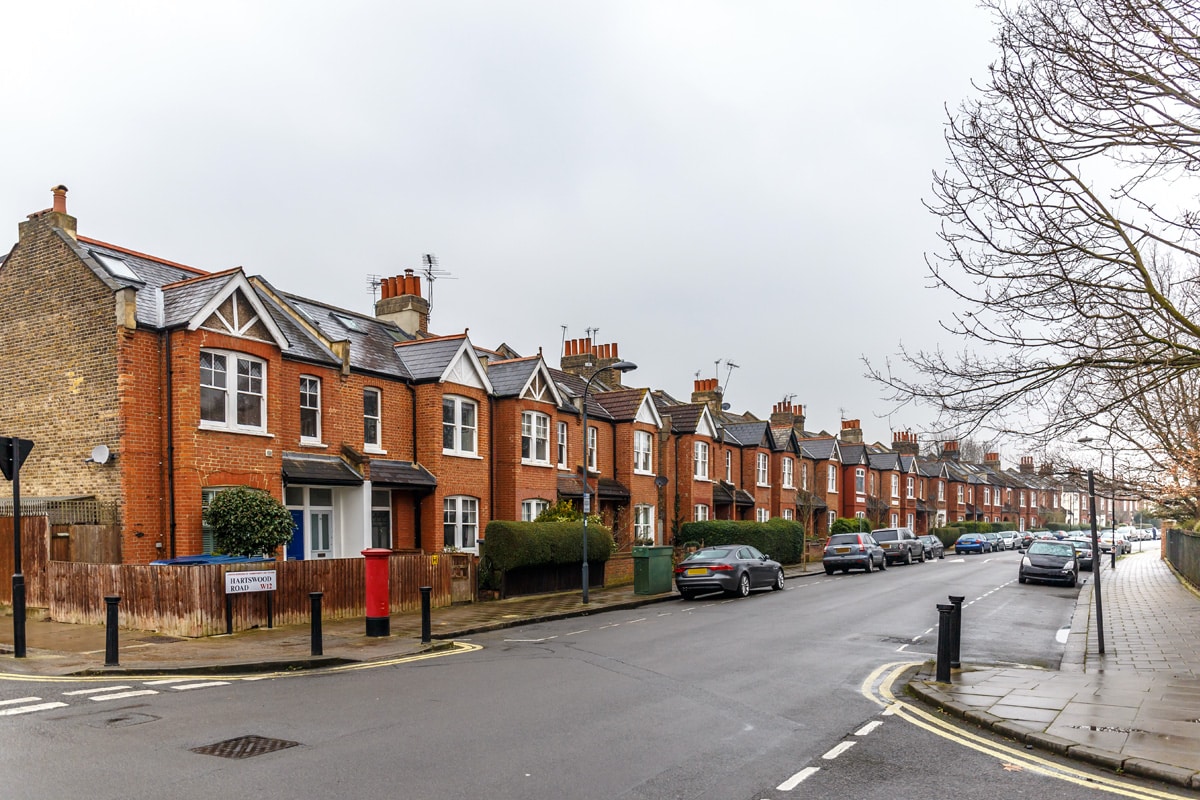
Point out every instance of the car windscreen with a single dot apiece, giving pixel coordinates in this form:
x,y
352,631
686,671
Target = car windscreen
x,y
886,536
710,553
1051,549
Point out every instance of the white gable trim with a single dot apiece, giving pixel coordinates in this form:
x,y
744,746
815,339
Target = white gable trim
x,y
648,413
705,426
544,371
464,369
238,283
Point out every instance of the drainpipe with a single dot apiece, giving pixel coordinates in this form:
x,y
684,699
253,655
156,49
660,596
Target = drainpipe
x,y
418,497
170,442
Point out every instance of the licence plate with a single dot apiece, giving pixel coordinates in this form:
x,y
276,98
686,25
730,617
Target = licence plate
x,y
841,549
697,571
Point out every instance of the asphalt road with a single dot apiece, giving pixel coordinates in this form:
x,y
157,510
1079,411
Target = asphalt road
x,y
712,698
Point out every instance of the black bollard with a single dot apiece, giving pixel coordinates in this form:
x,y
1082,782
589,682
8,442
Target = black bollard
x,y
426,636
945,614
956,630
111,658
314,598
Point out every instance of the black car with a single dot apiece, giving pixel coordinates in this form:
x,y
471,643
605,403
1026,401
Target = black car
x,y
1083,552
847,551
731,568
933,546
1050,561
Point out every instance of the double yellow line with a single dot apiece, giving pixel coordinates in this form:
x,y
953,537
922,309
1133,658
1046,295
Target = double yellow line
x,y
877,687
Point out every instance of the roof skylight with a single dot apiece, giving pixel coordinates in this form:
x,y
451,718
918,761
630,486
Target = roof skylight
x,y
116,267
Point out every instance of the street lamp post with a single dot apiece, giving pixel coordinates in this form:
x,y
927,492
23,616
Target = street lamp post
x,y
1112,517
620,366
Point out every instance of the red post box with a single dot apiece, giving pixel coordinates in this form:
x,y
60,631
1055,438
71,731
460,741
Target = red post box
x,y
379,621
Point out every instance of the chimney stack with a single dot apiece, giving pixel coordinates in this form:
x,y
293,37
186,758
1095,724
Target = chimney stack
x,y
852,431
906,443
950,450
785,414
708,391
583,358
400,302
54,217
992,460
1027,465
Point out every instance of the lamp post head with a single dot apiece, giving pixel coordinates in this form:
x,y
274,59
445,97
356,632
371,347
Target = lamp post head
x,y
623,366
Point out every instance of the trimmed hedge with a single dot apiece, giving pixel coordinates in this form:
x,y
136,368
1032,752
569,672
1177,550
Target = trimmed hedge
x,y
781,539
508,545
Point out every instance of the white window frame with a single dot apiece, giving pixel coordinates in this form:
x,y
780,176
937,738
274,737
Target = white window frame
x,y
960,494
909,522
987,495
831,479
804,475
535,438
761,515
830,518
455,426
253,386
860,481
941,491
1021,498
787,472
895,520
378,508
700,512
593,448
909,484
643,524
373,445
762,470
531,509
562,445
310,401
729,466
460,523
643,453
787,513
700,462
895,487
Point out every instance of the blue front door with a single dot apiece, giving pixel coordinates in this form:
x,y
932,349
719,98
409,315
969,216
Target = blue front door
x,y
295,548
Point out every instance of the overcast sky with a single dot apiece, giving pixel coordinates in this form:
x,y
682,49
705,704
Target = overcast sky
x,y
701,181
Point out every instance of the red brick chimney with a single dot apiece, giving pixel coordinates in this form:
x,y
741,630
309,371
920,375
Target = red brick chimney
x,y
950,451
786,414
906,443
852,431
709,391
991,460
400,302
583,358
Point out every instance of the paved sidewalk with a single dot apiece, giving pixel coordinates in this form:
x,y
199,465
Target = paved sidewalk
x,y
1136,708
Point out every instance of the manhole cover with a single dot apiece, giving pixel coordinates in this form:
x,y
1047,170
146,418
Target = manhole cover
x,y
244,747
122,720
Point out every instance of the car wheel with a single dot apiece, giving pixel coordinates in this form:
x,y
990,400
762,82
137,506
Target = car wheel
x,y
778,585
870,567
743,589
882,564
688,595
908,557
922,555
1072,582
1021,579
942,555
829,570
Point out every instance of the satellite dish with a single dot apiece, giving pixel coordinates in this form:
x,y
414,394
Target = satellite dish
x,y
100,454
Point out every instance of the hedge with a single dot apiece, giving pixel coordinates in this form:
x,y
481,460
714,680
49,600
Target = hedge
x,y
508,545
781,539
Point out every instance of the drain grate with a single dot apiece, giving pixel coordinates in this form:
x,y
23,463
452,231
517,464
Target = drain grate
x,y
244,747
1107,729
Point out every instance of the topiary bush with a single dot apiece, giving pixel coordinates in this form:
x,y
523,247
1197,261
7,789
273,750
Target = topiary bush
x,y
248,522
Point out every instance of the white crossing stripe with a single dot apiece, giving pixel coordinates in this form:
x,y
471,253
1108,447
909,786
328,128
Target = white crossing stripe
x,y
204,685
96,690
870,726
797,779
164,681
19,700
122,695
837,751
12,712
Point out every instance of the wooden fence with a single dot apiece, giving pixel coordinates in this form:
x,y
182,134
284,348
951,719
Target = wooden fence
x,y
190,600
35,555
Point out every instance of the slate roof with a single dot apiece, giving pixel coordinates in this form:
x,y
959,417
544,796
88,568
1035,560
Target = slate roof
x,y
724,494
819,449
781,437
749,433
322,470
508,378
621,404
571,386
684,417
570,486
427,359
372,347
853,453
401,474
153,275
888,461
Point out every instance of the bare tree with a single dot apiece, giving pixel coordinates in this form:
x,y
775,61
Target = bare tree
x,y
1070,230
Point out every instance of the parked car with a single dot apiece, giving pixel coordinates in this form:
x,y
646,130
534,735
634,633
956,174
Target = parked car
x,y
972,543
1049,561
900,545
1106,542
1010,539
994,540
933,546
733,568
847,551
1083,552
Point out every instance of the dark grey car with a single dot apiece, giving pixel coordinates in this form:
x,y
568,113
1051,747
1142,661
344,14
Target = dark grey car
x,y
847,551
1050,561
900,545
731,568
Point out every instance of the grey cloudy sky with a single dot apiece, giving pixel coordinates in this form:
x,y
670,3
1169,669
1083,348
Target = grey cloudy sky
x,y
700,181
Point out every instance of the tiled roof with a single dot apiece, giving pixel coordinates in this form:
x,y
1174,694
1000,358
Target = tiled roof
x,y
570,486
781,436
724,494
508,378
321,470
427,359
372,340
819,449
889,461
684,417
749,433
621,404
853,453
401,474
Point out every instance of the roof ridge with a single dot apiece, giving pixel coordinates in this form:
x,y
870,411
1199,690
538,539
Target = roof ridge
x,y
117,247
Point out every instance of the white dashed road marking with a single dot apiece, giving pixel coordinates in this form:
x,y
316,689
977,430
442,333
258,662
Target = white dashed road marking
x,y
185,687
797,779
97,690
12,712
19,700
122,695
870,726
837,751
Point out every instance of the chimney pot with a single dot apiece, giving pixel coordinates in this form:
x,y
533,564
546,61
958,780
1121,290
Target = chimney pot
x,y
60,198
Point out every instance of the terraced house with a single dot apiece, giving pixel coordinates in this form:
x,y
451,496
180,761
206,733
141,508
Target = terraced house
x,y
376,432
